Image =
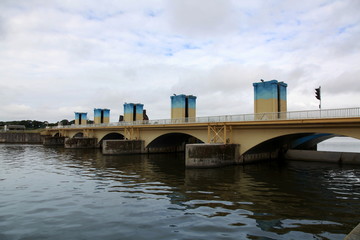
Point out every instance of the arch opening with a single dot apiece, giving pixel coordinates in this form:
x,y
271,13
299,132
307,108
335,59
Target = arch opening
x,y
79,135
171,142
277,143
340,144
277,147
112,136
310,141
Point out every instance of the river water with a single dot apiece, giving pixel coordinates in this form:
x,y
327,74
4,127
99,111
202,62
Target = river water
x,y
53,193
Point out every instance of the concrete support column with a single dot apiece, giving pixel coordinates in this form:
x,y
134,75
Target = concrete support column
x,y
81,143
323,156
54,141
117,147
211,155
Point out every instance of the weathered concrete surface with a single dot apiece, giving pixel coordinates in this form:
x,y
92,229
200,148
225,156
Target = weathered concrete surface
x,y
323,156
257,157
81,143
170,149
54,141
211,155
11,137
115,147
354,234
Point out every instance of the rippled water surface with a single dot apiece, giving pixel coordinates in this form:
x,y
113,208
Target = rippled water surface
x,y
49,193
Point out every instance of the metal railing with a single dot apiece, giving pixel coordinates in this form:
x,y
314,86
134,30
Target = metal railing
x,y
295,115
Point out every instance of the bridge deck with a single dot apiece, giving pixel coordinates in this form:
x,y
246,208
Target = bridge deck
x,y
248,131
349,115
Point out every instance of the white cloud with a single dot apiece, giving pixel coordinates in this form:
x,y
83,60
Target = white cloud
x,y
202,17
57,57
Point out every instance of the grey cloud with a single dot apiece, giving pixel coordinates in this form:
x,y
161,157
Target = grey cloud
x,y
2,28
346,82
202,17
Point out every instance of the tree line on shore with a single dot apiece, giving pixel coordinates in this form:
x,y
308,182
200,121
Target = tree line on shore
x,y
34,124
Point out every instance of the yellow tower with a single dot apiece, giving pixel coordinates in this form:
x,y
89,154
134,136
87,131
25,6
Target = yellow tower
x,y
101,116
270,97
133,112
80,118
183,107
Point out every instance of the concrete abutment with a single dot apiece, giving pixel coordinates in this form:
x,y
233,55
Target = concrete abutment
x,y
323,156
118,147
81,143
211,155
50,141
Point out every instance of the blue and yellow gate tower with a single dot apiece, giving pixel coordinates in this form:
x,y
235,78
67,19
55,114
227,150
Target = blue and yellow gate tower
x,y
270,96
80,118
101,115
183,106
133,112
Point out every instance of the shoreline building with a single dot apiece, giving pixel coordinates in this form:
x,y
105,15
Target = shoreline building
x,y
80,118
101,115
270,97
183,106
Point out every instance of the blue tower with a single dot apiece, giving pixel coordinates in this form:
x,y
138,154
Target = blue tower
x,y
80,118
133,112
101,115
183,106
270,96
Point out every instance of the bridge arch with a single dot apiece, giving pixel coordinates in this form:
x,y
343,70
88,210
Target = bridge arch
x,y
171,142
301,141
78,135
111,136
309,142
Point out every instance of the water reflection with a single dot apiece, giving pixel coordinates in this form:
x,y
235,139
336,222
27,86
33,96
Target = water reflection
x,y
154,196
264,192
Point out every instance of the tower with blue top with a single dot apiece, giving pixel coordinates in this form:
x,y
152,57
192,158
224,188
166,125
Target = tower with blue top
x,y
270,96
183,106
80,118
133,112
101,115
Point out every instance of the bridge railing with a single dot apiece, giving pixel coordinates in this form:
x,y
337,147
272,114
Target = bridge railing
x,y
294,115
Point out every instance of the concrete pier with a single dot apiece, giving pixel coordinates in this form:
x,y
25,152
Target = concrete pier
x,y
116,147
211,155
323,156
169,149
81,143
258,157
54,141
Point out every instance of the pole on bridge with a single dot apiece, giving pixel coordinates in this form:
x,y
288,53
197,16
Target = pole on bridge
x,y
318,95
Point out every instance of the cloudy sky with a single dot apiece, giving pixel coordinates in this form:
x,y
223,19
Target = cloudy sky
x,y
62,56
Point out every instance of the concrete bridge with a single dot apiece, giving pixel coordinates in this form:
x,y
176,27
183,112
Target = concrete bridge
x,y
258,136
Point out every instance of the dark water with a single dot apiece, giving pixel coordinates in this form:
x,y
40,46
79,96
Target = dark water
x,y
49,193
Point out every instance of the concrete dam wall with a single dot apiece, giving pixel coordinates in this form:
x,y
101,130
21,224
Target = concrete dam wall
x,y
11,137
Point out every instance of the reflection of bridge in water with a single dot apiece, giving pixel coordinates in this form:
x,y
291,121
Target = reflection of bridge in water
x,y
253,189
257,136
